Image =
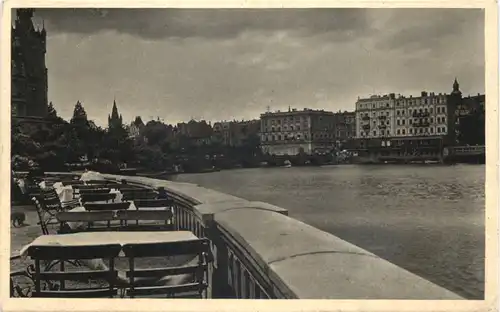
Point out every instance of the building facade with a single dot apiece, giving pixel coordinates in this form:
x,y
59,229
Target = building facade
x,y
235,133
136,127
29,83
394,127
298,131
388,116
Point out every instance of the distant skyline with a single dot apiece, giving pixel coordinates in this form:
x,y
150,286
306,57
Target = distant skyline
x,y
224,64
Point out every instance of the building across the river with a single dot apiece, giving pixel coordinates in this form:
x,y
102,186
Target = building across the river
x,y
303,131
28,71
234,133
396,127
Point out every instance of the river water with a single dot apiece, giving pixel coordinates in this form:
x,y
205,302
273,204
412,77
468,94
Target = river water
x,y
428,219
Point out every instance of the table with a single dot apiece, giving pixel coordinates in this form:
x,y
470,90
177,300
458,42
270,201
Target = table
x,y
121,238
91,175
97,238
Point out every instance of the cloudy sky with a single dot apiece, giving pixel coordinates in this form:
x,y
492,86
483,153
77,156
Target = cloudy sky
x,y
218,64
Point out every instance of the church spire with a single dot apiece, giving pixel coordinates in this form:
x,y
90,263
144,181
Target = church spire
x,y
115,120
456,87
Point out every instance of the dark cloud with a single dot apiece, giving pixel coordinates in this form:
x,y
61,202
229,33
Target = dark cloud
x,y
207,23
429,29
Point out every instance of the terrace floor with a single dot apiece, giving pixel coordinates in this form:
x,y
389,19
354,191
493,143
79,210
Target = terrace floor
x,y
20,236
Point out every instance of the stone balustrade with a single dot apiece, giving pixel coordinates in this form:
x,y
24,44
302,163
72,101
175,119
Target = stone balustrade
x,y
261,252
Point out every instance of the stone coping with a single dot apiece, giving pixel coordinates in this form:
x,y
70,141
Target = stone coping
x,y
300,260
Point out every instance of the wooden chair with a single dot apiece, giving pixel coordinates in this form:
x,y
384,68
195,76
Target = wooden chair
x,y
155,220
47,206
197,282
136,194
85,198
94,191
95,221
77,188
21,282
72,183
106,206
100,182
76,277
153,203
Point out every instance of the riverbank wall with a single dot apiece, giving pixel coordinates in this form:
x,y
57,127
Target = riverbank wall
x,y
261,252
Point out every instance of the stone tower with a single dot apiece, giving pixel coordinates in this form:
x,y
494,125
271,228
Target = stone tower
x,y
454,101
28,71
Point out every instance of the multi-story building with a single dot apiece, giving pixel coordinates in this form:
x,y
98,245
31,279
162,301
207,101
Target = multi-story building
x,y
400,126
235,133
198,132
295,131
345,125
136,127
399,116
28,71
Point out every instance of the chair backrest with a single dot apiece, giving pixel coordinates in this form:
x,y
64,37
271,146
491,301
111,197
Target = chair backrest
x,y
85,198
149,203
88,221
94,191
106,206
138,194
75,277
79,187
196,280
47,205
72,182
146,220
100,182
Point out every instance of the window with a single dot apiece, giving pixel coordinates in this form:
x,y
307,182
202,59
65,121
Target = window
x,y
410,111
426,110
411,130
403,122
411,121
444,119
404,132
421,130
444,109
432,130
398,132
432,120
397,122
374,133
431,110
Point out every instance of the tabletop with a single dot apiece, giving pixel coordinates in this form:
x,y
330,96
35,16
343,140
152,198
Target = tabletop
x,y
99,238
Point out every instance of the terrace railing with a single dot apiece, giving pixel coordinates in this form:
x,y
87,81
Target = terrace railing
x,y
260,252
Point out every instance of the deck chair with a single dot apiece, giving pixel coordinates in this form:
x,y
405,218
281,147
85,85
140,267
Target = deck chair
x,y
75,282
194,284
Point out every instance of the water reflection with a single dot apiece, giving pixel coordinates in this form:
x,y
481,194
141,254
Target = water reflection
x,y
427,219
